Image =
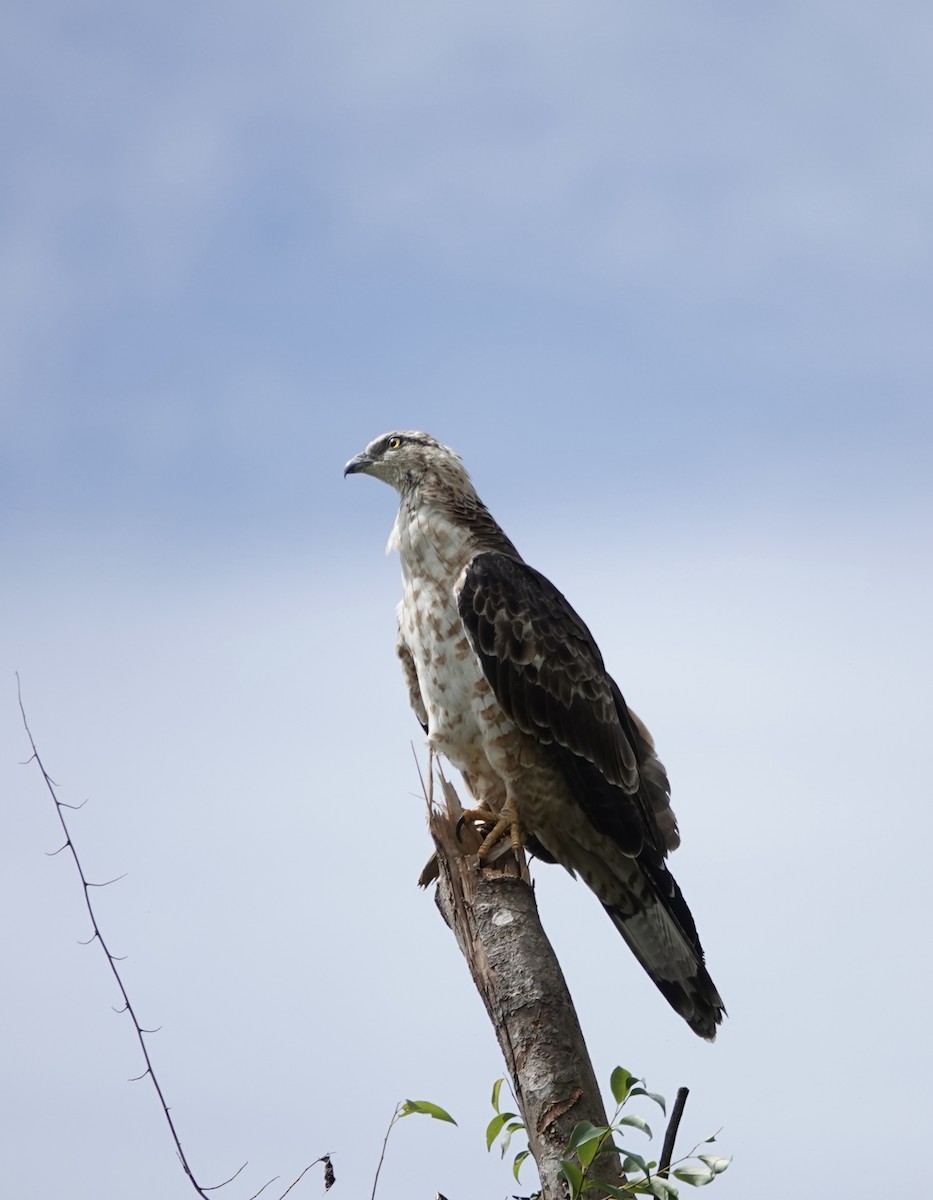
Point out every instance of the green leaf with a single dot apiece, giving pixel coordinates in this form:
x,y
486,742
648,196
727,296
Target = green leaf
x,y
636,1123
496,1089
588,1151
634,1162
512,1127
662,1189
494,1128
517,1164
585,1131
715,1163
574,1177
427,1109
695,1176
655,1096
621,1084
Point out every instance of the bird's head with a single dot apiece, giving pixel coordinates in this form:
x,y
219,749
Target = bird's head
x,y
405,459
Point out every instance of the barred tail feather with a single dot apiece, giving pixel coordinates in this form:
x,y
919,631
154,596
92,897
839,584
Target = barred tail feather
x,y
676,967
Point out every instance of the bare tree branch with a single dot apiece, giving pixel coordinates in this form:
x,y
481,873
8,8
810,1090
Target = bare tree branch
x,y
111,958
493,915
127,1006
670,1137
329,1178
382,1154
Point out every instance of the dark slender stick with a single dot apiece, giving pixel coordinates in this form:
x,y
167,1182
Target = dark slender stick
x,y
385,1142
127,1007
329,1179
673,1125
111,958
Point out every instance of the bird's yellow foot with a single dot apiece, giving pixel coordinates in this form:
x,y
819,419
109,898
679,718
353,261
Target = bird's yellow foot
x,y
501,822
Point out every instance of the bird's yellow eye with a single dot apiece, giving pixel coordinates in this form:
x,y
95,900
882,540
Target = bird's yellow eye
x,y
393,443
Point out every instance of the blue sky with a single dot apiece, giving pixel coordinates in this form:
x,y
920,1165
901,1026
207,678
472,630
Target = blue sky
x,y
664,276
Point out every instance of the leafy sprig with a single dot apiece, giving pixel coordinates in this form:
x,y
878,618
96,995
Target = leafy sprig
x,y
408,1108
502,1127
645,1177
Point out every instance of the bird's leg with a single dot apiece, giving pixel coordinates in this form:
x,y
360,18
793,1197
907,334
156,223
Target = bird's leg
x,y
505,820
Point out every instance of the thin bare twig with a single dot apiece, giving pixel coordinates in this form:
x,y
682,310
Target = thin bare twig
x,y
673,1125
217,1186
329,1178
269,1183
112,959
381,1156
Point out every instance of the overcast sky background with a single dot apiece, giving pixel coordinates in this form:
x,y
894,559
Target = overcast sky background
x,y
663,274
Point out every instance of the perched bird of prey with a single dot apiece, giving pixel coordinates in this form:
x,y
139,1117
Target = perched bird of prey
x,y
511,688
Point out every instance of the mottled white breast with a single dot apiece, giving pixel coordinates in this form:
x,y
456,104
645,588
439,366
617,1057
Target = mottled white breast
x,y
463,714
465,720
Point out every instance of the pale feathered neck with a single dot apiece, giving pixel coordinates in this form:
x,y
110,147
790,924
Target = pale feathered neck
x,y
452,503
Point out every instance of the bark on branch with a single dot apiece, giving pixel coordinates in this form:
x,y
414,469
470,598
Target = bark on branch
x,y
493,914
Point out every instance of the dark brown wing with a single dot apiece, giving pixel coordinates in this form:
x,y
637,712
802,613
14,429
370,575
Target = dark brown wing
x,y
548,674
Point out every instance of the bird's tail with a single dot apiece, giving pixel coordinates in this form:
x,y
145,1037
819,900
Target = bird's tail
x,y
662,936
607,837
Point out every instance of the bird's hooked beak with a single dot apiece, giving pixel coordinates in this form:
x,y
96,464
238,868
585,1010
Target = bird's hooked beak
x,y
358,464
